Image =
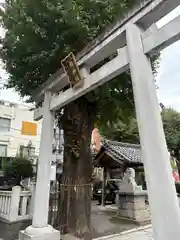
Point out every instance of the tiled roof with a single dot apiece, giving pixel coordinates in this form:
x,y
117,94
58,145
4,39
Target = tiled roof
x,y
127,151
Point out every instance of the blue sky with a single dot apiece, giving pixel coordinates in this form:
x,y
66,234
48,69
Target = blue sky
x,y
168,77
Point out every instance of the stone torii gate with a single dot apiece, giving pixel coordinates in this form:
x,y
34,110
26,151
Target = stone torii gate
x,y
134,38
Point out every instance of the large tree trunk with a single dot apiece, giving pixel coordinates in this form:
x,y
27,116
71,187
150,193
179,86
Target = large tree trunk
x,y
78,124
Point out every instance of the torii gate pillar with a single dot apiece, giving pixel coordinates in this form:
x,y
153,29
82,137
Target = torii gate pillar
x,y
160,184
40,229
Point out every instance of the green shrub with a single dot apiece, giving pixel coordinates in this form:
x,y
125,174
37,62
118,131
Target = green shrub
x,y
19,169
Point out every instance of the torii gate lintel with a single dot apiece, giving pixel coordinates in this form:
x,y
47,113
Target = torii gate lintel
x,y
154,40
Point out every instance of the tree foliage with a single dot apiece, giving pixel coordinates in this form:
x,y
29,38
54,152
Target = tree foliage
x,y
19,169
40,33
122,131
171,123
127,129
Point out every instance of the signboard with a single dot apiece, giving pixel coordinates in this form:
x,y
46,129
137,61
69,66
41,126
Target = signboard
x,y
29,128
71,68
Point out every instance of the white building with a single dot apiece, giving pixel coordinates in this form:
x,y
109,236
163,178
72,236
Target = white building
x,y
19,134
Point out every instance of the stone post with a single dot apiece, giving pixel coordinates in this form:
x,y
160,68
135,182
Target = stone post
x,y
31,205
40,228
14,205
160,184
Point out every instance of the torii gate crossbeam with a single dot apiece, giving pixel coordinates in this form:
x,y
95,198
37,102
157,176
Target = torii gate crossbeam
x,y
144,14
154,40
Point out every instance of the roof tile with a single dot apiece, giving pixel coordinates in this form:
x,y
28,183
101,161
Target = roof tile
x,y
130,152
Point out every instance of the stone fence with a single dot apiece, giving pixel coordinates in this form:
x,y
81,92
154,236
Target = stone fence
x,y
15,205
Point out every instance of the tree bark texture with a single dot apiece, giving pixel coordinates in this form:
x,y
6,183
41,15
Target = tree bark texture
x,y
78,122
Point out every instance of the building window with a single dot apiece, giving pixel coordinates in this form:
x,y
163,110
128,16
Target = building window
x,y
3,150
5,124
27,151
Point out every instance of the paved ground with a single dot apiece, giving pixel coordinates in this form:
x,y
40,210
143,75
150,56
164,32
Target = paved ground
x,y
144,233
105,221
106,225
